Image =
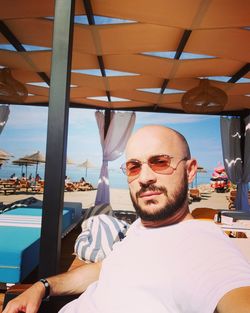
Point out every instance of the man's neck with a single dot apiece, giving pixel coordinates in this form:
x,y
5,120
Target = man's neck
x,y
178,217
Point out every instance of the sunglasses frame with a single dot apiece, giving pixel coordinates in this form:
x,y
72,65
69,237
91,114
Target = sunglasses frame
x,y
124,165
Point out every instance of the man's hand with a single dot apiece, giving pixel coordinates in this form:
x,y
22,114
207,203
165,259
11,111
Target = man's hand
x,y
77,280
29,301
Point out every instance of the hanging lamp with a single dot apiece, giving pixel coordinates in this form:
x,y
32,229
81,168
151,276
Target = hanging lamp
x,y
204,99
11,90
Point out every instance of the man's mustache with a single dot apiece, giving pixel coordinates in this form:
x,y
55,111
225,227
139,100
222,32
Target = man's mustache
x,y
151,188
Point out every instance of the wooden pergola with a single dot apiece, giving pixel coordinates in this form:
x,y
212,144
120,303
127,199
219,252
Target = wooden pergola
x,y
147,55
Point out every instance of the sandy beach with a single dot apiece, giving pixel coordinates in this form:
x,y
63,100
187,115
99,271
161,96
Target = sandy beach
x,y
120,199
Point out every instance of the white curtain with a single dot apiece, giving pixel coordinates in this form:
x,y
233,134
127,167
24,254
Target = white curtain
x,y
119,131
4,114
238,172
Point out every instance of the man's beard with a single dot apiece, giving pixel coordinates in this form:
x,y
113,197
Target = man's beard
x,y
175,202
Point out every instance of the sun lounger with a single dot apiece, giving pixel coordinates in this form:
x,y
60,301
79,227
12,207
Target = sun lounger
x,y
19,251
8,190
195,194
204,213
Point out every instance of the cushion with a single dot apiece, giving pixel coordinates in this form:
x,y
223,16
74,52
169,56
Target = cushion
x,y
99,233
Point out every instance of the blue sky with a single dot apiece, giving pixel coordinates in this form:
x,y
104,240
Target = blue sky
x,y
26,131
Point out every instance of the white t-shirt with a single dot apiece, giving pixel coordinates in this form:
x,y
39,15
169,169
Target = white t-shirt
x,y
186,267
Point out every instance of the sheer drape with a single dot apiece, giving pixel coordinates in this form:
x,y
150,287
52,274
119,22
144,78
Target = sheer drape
x,y
120,128
238,172
4,114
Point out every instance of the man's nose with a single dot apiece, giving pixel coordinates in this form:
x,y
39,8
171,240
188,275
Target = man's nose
x,y
147,176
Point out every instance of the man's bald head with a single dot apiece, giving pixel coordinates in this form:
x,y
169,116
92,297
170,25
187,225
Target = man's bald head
x,y
148,135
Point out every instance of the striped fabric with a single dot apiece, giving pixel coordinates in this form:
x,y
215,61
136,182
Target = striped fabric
x,y
98,235
98,209
20,220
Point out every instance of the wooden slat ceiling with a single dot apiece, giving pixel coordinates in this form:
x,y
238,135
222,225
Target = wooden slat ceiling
x,y
219,29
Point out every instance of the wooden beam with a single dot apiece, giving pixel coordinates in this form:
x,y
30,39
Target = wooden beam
x,y
241,73
178,53
91,20
7,33
182,43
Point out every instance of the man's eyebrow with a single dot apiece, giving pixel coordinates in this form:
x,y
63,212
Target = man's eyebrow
x,y
132,160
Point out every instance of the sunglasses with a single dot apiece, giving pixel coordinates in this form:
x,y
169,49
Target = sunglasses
x,y
160,164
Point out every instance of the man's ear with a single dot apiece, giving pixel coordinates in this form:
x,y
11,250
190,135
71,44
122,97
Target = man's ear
x,y
191,169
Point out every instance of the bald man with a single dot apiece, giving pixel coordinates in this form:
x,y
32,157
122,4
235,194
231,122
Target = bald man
x,y
169,262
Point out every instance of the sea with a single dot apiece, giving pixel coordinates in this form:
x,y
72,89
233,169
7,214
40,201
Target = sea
x,y
116,178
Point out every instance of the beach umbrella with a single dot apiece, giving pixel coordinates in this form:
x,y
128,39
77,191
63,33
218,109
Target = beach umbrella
x,y
200,169
5,155
35,158
87,164
219,169
2,161
22,162
70,162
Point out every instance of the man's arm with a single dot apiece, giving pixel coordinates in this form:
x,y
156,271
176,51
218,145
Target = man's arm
x,y
237,300
69,283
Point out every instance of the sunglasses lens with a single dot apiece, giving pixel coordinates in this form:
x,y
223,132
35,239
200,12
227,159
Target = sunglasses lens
x,y
159,163
133,168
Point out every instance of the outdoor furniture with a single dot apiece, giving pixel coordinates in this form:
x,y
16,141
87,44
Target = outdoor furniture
x,y
36,188
19,253
84,186
69,187
235,230
8,190
24,184
9,186
204,213
231,199
195,194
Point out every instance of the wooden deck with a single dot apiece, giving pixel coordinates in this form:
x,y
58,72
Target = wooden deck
x,y
68,259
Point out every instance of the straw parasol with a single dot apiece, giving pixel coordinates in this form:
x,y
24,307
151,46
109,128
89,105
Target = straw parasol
x,y
200,169
87,164
35,158
22,162
4,156
70,161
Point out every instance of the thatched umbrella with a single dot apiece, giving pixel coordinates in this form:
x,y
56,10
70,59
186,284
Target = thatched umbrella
x,y
22,162
4,156
87,164
35,158
200,169
70,162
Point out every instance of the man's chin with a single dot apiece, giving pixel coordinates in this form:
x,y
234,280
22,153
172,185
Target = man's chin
x,y
151,211
150,207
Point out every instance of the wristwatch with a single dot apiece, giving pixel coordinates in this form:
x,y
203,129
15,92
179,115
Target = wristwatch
x,y
47,288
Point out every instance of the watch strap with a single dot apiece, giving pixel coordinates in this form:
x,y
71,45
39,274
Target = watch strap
x,y
47,288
